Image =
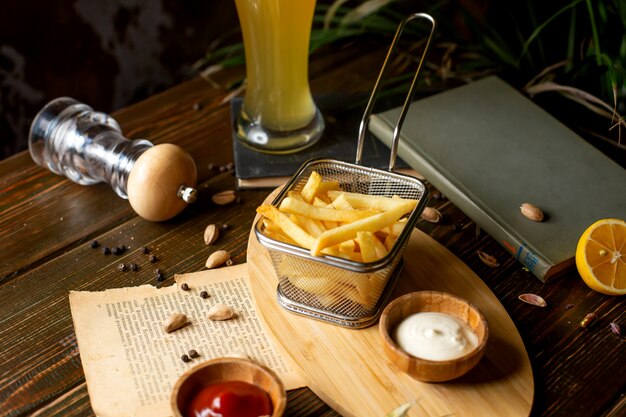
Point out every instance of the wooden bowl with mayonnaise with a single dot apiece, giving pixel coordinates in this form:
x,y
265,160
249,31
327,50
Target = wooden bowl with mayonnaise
x,y
433,336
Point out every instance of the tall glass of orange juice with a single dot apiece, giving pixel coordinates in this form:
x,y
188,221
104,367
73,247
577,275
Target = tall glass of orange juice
x,y
278,114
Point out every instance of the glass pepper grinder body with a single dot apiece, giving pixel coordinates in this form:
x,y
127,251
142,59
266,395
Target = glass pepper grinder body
x,y
88,147
278,113
71,139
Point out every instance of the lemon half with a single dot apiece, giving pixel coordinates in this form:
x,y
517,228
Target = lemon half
x,y
601,256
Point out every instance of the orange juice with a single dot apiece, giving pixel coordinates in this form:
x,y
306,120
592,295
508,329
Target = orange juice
x,y
276,36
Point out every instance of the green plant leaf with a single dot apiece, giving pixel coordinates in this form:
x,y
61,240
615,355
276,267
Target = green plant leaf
x,y
571,40
331,12
363,10
538,30
500,51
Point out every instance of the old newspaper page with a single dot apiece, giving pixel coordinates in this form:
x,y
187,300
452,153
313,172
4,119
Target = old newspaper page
x,y
131,363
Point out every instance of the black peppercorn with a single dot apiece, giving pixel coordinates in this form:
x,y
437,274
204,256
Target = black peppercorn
x,y
184,286
193,354
133,266
121,248
153,258
159,275
145,249
197,106
238,200
116,250
204,294
121,267
106,250
185,358
94,244
225,226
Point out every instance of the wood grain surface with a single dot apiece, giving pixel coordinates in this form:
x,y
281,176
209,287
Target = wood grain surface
x,y
349,369
47,222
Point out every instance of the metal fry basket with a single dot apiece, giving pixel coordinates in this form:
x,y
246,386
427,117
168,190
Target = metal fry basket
x,y
334,289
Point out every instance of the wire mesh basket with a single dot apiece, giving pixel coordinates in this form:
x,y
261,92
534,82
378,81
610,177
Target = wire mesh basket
x,y
332,288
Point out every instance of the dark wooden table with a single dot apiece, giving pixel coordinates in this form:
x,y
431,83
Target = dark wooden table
x,y
47,223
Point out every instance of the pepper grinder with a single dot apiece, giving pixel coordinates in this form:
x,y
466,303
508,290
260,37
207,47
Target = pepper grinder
x,y
71,139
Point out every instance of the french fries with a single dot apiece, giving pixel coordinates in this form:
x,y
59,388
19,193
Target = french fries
x,y
293,206
350,230
326,220
282,221
375,202
311,186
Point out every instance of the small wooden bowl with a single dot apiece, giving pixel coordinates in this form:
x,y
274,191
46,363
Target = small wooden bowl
x,y
432,301
227,369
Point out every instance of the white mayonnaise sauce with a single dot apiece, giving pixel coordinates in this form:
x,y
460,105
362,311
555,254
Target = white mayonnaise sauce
x,y
435,336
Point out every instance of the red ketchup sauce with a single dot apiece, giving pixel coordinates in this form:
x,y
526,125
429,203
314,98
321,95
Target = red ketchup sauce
x,y
230,399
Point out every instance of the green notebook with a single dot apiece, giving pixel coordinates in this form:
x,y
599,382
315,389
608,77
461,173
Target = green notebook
x,y
489,149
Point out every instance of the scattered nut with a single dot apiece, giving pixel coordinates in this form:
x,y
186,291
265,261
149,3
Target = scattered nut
x,y
220,312
211,233
488,259
224,197
588,320
174,322
217,258
531,212
615,328
533,299
431,215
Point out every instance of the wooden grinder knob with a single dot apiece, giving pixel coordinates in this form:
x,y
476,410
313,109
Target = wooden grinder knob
x,y
157,180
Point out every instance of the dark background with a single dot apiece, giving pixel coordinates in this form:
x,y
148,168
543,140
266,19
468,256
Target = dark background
x,y
106,53
112,53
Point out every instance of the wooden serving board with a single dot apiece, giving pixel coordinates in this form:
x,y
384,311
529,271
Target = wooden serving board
x,y
348,369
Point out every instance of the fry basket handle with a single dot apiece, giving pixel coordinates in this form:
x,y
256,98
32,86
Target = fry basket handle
x,y
409,97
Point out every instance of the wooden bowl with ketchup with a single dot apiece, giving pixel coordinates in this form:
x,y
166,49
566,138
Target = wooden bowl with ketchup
x,y
231,387
433,336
